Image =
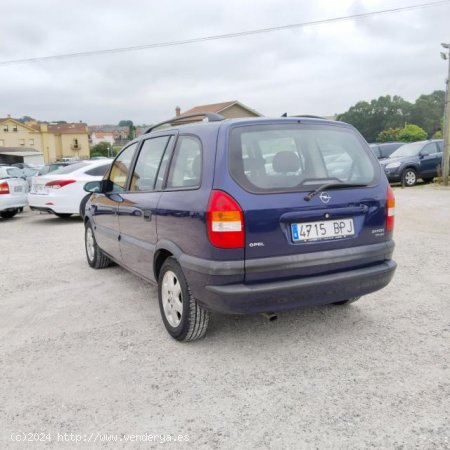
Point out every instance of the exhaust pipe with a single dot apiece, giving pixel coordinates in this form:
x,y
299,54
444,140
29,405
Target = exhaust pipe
x,y
271,317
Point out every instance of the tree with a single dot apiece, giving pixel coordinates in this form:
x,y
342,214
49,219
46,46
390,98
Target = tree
x,y
382,113
125,123
389,135
131,132
101,149
412,133
428,111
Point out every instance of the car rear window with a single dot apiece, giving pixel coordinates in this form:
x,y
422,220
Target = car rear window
x,y
99,171
70,168
14,172
277,158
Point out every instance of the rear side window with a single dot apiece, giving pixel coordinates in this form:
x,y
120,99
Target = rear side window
x,y
186,166
277,158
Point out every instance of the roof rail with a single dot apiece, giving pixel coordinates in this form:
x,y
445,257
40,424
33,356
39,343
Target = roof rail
x,y
212,117
309,116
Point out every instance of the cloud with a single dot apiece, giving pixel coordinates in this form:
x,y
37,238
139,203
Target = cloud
x,y
321,69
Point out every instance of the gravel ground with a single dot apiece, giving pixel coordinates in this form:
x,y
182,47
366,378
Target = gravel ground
x,y
84,354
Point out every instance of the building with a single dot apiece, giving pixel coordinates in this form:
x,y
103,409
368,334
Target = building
x,y
53,140
14,155
229,110
102,136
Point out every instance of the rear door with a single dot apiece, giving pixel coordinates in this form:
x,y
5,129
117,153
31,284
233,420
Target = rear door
x,y
278,168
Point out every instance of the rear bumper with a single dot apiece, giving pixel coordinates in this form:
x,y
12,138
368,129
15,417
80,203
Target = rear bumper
x,y
296,280
52,204
12,202
291,294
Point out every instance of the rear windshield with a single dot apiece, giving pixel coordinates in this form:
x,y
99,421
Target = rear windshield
x,y
273,158
14,172
71,168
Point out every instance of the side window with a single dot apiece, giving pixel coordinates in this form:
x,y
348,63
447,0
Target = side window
x,y
429,149
120,168
186,167
148,164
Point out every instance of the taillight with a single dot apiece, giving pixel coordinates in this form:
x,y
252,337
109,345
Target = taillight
x,y
225,221
390,210
4,188
58,184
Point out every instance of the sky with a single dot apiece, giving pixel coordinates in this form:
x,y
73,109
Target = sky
x,y
318,69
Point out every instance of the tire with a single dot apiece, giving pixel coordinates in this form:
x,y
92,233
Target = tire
x,y
409,177
62,216
184,319
83,205
9,214
95,256
347,302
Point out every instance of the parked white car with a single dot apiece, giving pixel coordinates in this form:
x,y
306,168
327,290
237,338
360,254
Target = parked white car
x,y
13,192
61,191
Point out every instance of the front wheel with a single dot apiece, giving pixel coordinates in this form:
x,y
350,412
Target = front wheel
x,y
183,317
95,257
409,177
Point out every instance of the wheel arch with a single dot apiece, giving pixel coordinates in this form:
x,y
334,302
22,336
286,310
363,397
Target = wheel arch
x,y
164,249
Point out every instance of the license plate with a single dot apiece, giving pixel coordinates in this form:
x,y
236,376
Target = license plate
x,y
18,189
327,229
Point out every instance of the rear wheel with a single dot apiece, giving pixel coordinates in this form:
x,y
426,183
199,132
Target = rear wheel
x,y
183,317
9,214
409,177
347,302
95,257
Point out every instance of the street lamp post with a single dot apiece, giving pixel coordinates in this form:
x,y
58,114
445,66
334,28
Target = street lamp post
x,y
446,162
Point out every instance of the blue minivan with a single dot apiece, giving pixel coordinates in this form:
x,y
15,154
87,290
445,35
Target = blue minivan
x,y
253,215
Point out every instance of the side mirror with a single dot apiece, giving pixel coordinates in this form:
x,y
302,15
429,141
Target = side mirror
x,y
94,186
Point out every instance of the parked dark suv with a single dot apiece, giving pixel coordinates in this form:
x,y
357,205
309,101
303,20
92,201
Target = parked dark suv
x,y
245,216
413,161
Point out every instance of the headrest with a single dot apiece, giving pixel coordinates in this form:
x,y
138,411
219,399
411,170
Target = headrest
x,y
285,162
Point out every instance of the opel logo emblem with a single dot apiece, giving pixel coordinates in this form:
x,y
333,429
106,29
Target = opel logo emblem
x,y
325,197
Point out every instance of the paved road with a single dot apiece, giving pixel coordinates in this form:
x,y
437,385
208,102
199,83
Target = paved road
x,y
84,354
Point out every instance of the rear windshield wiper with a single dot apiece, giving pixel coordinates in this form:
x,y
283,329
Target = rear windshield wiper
x,y
335,185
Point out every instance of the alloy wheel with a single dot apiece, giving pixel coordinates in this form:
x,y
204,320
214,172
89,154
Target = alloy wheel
x,y
172,300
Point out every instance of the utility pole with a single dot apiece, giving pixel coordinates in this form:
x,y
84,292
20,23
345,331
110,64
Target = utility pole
x,y
446,156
